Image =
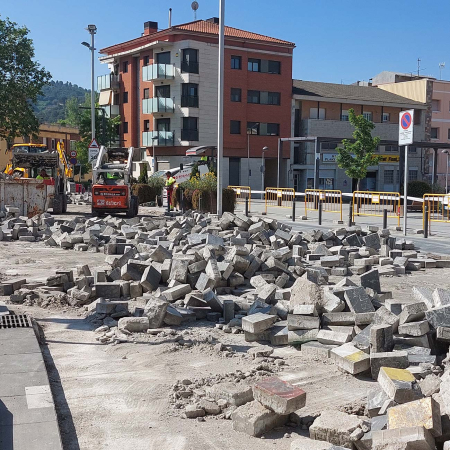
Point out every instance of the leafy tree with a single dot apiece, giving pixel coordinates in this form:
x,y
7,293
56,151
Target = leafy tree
x,y
357,156
21,81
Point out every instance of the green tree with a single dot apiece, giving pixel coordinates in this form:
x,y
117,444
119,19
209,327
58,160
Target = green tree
x,y
358,155
21,81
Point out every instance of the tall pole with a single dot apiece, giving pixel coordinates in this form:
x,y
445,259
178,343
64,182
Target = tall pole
x,y
262,176
92,30
446,175
405,191
220,107
248,156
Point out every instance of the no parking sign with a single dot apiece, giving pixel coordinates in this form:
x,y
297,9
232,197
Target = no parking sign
x,y
406,126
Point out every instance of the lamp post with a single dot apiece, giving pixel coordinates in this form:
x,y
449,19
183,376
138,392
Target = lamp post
x,y
92,31
154,138
446,172
249,132
263,170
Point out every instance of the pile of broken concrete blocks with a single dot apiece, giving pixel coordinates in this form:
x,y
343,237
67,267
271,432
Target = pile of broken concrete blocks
x,y
23,228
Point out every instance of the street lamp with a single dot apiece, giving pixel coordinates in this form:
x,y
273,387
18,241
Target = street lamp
x,y
263,169
249,132
92,31
446,173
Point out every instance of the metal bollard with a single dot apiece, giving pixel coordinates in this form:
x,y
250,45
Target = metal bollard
x,y
200,203
425,228
293,210
246,206
320,212
385,217
182,201
169,198
350,215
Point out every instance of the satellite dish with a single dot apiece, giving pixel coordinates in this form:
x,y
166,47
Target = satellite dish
x,y
194,6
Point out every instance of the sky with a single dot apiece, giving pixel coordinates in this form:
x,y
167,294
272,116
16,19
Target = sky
x,y
338,41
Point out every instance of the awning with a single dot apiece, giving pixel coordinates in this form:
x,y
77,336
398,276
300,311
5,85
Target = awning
x,y
195,151
105,98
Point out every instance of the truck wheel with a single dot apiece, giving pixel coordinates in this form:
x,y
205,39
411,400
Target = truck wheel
x,y
136,204
58,204
132,208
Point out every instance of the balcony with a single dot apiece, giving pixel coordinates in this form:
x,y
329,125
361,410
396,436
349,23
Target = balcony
x,y
189,67
111,110
189,135
158,105
189,101
110,81
162,138
158,72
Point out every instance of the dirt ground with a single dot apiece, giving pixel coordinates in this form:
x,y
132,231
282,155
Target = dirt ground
x,y
118,397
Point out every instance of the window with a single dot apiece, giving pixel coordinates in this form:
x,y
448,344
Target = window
x,y
368,116
125,67
146,93
253,127
274,98
413,174
388,177
189,95
412,149
125,97
235,127
253,96
317,113
72,145
189,131
236,62
434,133
254,65
386,117
436,105
448,134
236,94
53,144
162,91
163,58
189,63
391,148
273,129
116,98
146,125
344,115
146,60
125,127
274,67
329,145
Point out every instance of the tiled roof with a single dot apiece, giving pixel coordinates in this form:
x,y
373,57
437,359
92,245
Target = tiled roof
x,y
350,92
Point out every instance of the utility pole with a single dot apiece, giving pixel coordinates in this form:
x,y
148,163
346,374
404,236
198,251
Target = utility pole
x,y
92,31
418,67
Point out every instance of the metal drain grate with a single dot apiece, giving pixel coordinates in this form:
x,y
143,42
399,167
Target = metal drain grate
x,y
12,321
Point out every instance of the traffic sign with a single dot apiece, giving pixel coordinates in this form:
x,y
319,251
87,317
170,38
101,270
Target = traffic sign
x,y
93,151
406,128
94,144
73,154
73,161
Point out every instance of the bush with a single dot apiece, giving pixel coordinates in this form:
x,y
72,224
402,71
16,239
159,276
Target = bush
x,y
418,189
143,192
228,200
157,184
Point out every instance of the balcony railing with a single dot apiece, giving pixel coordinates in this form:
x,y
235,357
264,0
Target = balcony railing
x,y
189,101
158,105
189,135
189,66
158,72
110,81
111,110
162,138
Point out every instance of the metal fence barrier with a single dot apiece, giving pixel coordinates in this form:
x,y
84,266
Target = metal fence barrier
x,y
331,201
367,203
438,208
242,193
279,197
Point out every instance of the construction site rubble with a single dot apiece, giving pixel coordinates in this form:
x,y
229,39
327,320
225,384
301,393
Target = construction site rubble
x,y
320,291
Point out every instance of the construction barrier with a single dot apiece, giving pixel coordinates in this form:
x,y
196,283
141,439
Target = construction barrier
x,y
331,201
279,197
438,208
367,203
242,192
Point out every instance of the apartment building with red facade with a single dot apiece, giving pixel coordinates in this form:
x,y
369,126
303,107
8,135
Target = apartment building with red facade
x,y
164,86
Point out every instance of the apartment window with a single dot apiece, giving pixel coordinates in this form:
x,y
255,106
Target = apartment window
x,y
388,177
413,174
146,93
329,145
116,98
253,127
274,67
125,127
146,125
125,97
436,105
125,67
235,127
434,133
391,148
189,131
72,145
344,115
254,65
274,98
273,129
448,134
236,62
236,94
146,60
189,95
317,113
368,116
189,63
386,117
253,96
412,149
